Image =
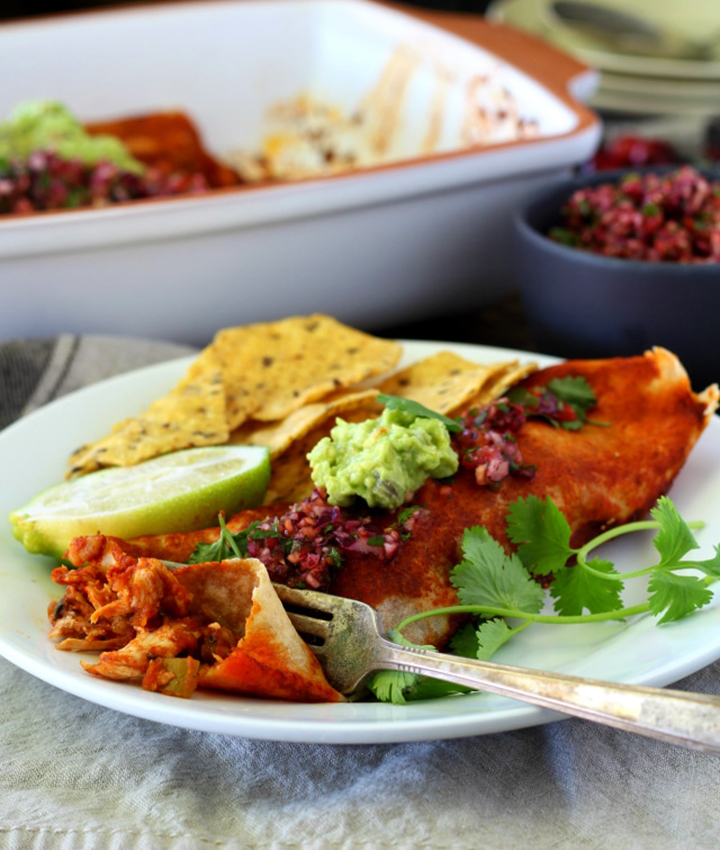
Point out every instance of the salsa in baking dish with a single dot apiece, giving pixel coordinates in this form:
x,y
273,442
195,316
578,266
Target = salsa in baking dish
x,y
50,161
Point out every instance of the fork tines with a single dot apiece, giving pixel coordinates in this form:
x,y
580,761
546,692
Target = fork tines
x,y
311,622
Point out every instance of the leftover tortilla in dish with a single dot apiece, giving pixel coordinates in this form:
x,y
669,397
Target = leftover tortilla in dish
x,y
309,136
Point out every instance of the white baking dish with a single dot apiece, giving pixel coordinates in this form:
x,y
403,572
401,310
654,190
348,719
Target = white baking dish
x,y
395,242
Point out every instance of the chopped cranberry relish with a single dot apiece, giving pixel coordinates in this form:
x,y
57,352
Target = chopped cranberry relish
x,y
301,547
44,181
487,442
673,217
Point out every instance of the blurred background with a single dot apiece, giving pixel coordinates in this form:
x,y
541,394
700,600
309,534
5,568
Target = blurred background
x,y
658,107
18,8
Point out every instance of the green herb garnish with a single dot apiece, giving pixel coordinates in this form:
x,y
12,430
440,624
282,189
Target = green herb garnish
x,y
229,545
502,591
573,392
419,411
564,236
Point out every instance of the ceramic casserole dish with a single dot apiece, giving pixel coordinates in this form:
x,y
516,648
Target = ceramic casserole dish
x,y
422,230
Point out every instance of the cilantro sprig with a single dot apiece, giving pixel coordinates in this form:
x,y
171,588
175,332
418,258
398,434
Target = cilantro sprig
x,y
503,592
229,545
572,393
419,411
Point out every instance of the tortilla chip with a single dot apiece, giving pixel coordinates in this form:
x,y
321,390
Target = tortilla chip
x,y
279,436
192,414
290,480
253,374
273,369
442,382
497,386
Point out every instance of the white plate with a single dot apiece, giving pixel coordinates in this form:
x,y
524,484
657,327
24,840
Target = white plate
x,y
33,453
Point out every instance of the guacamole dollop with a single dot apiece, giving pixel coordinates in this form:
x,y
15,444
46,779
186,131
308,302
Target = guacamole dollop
x,y
381,460
41,125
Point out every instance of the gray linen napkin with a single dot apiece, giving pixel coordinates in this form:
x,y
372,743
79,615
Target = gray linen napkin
x,y
76,776
36,371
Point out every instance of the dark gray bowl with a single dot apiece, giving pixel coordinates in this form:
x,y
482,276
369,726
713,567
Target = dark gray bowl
x,y
580,304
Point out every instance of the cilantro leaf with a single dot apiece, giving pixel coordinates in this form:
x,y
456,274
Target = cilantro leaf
x,y
428,688
551,402
488,577
711,566
576,589
491,635
465,642
393,685
230,545
674,539
482,641
575,391
419,411
210,552
542,534
676,595
224,547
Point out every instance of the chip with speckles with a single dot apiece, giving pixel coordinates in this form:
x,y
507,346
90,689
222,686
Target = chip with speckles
x,y
192,414
272,369
445,382
251,378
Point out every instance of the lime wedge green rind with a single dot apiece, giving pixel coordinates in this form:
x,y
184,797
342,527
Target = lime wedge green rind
x,y
181,491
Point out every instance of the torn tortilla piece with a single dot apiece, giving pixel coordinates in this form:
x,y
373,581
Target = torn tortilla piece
x,y
270,659
211,625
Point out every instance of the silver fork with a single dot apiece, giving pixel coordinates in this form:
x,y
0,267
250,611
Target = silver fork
x,y
347,639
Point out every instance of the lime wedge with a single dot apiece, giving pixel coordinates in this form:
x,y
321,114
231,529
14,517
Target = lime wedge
x,y
179,491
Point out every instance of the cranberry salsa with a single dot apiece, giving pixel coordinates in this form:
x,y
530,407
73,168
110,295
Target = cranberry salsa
x,y
660,217
301,547
45,181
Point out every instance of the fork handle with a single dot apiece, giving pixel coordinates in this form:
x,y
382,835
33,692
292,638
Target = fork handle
x,y
691,720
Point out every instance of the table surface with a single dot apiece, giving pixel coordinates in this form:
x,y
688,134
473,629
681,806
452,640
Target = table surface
x,y
76,775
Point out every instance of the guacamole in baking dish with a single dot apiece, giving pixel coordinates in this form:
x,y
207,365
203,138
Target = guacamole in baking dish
x,y
41,125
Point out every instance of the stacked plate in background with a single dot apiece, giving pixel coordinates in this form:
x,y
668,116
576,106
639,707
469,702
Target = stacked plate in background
x,y
642,85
